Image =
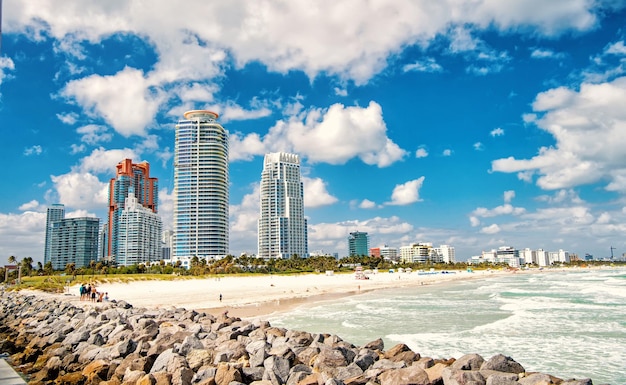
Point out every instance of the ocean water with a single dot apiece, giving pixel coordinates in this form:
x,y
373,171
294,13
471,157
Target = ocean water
x,y
571,324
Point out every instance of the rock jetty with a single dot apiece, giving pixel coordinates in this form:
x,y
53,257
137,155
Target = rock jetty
x,y
61,343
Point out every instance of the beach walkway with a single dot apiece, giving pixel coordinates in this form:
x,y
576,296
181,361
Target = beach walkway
x,y
8,376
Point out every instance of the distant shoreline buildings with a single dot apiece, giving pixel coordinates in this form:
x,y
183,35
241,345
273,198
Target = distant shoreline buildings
x,y
134,234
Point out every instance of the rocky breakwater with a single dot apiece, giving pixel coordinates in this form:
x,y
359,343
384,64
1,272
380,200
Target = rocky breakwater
x,y
57,342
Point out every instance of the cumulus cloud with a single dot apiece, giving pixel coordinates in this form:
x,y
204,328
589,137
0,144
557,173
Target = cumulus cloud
x,y
572,117
33,150
69,118
406,193
22,235
93,134
421,153
80,190
316,194
491,229
367,204
478,146
508,196
6,66
326,136
33,205
104,161
497,132
447,152
244,219
123,100
263,32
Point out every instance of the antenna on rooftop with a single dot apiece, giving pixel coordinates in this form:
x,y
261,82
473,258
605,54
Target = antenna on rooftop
x,y
612,248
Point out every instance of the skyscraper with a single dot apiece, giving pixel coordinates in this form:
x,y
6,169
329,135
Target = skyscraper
x,y
200,186
139,234
74,240
129,176
55,213
282,226
358,243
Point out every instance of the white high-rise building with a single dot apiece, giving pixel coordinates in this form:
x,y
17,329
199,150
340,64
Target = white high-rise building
x,y
139,234
200,187
282,226
446,253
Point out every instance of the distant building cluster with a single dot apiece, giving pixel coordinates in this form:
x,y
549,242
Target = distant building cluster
x,y
133,233
517,258
422,252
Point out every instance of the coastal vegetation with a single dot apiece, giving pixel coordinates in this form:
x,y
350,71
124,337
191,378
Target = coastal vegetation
x,y
45,278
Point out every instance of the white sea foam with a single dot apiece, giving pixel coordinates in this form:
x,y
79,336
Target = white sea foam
x,y
566,324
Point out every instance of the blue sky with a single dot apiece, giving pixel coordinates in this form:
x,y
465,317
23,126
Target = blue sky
x,y
476,124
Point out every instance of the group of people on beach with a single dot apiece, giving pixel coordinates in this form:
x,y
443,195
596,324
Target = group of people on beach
x,y
88,292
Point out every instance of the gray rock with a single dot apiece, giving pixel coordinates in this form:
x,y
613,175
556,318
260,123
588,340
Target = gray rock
x,y
469,362
378,344
276,368
453,376
501,378
352,370
502,363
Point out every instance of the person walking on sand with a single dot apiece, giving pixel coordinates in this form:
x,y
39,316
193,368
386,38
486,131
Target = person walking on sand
x,y
220,297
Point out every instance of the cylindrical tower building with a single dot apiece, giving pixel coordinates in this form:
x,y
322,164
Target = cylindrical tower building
x,y
200,187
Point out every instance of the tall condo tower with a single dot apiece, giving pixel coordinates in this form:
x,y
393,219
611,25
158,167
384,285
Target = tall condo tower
x,y
200,186
282,226
134,177
56,212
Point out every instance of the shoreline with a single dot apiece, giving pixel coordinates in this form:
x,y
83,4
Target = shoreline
x,y
265,295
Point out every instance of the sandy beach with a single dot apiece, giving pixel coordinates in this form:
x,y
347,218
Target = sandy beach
x,y
254,296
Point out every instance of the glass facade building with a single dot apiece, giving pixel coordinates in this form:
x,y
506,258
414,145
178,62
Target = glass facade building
x,y
358,244
282,225
129,177
55,213
200,187
74,240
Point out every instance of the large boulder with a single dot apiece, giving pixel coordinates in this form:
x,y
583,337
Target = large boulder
x,y
502,363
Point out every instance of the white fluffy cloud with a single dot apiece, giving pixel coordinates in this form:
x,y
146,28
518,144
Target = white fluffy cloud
x,y
93,134
81,190
421,153
572,117
21,234
491,229
497,132
406,193
104,161
123,100
326,136
284,36
315,193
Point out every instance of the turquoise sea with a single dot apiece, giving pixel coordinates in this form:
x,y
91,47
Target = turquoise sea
x,y
571,324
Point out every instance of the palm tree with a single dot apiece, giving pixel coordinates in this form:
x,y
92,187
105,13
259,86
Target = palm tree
x,y
27,265
12,259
